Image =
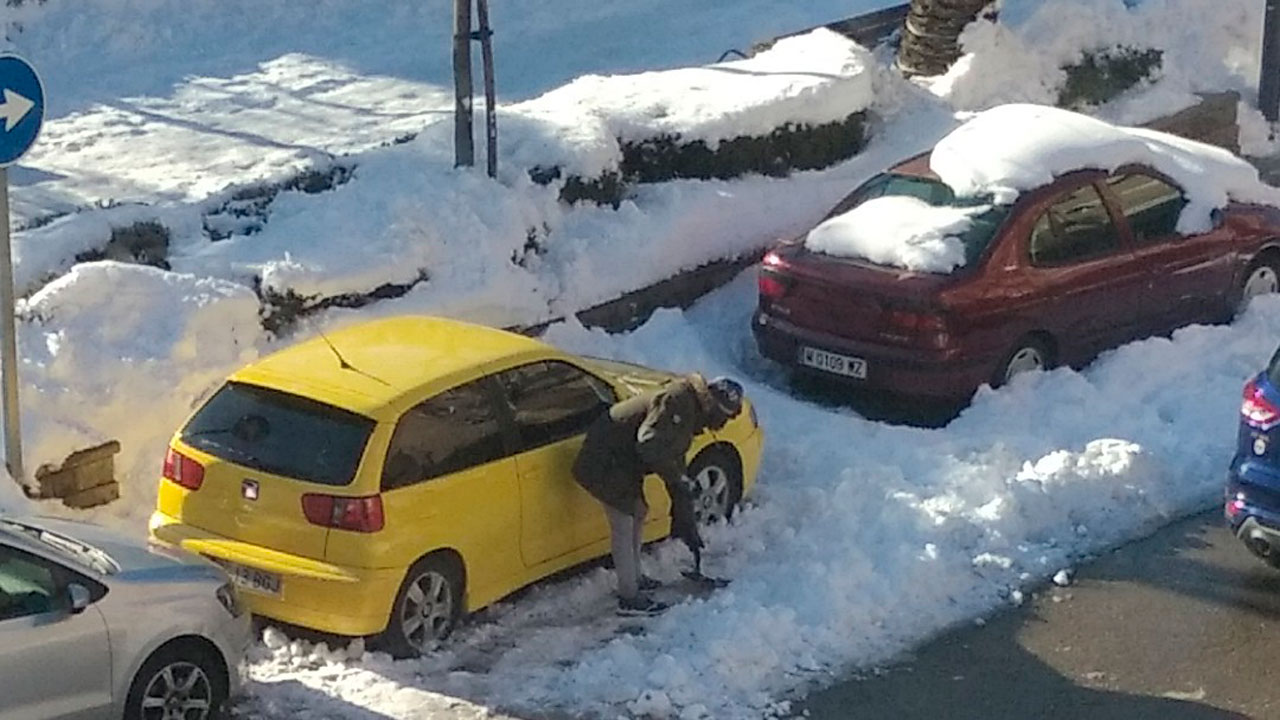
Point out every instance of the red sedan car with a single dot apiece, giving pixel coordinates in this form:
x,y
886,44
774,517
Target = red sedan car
x,y
1035,278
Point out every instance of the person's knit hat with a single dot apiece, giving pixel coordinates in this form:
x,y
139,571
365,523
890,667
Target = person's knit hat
x,y
728,395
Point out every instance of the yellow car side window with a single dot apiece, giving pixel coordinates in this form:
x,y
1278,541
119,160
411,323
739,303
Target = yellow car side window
x,y
455,430
552,401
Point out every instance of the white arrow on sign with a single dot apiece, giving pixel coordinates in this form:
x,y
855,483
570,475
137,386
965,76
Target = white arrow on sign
x,y
14,108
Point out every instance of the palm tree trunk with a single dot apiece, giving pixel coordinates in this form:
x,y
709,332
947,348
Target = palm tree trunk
x,y
931,34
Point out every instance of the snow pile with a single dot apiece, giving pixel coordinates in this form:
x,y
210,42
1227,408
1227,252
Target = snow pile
x,y
900,231
816,78
1205,46
867,538
115,351
1012,148
43,253
403,220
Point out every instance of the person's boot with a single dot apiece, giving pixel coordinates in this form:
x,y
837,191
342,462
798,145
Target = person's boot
x,y
647,583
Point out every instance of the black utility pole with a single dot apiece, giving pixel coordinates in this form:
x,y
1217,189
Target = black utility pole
x,y
463,152
1269,78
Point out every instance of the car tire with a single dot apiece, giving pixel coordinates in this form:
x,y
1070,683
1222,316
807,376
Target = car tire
x,y
717,477
1261,278
1028,355
427,607
178,676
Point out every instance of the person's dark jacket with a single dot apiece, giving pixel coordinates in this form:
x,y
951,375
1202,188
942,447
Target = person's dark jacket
x,y
651,432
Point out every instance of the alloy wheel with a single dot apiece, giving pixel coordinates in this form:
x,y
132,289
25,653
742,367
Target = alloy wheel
x,y
1026,359
427,613
1262,280
712,502
179,691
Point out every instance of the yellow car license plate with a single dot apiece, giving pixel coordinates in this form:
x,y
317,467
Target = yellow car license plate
x,y
252,579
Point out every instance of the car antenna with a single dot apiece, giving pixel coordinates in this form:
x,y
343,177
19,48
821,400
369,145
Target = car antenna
x,y
342,362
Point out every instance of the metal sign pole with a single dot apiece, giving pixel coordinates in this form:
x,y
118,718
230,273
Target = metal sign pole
x,y
21,115
9,342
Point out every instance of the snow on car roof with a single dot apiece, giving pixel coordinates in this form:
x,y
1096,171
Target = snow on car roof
x,y
1013,148
1000,153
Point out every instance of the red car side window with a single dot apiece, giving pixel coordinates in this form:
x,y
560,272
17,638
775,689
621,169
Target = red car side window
x,y
1075,228
1151,205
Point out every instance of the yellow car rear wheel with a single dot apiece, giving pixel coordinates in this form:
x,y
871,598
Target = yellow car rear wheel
x,y
427,606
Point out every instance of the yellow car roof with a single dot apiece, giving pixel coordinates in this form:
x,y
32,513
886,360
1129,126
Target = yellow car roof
x,y
387,359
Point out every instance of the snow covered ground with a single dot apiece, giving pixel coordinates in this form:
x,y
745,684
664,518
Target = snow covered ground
x,y
863,540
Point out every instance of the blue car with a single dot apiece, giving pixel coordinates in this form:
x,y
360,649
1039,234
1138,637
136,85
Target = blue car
x,y
1252,503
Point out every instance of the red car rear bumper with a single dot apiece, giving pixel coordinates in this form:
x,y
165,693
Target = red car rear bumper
x,y
902,371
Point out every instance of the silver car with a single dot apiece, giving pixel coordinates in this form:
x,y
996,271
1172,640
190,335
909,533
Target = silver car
x,y
96,624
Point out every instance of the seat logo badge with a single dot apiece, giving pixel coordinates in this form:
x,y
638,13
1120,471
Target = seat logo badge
x,y
249,489
1260,446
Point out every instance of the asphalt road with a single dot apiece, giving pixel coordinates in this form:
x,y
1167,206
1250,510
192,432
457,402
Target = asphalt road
x,y
1183,625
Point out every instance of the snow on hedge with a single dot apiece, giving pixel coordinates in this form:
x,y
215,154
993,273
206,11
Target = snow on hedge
x,y
815,78
1013,148
1205,47
123,352
900,231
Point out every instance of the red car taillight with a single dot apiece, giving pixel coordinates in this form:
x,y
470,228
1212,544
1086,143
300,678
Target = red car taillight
x,y
772,287
183,470
361,514
772,283
925,328
1257,410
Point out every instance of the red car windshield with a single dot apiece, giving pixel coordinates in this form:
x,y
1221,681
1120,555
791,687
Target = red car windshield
x,y
982,227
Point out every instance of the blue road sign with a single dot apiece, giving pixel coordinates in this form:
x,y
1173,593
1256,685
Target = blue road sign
x,y
21,107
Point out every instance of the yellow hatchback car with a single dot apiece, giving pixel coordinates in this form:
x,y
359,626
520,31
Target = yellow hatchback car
x,y
398,473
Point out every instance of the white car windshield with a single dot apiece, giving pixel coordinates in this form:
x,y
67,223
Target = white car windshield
x,y
75,550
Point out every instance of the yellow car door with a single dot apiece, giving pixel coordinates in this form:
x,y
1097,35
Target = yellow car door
x,y
449,482
552,403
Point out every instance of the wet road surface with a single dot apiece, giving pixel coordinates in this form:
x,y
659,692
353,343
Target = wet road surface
x,y
1183,625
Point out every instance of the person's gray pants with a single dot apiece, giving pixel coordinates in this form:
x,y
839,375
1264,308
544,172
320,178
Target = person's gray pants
x,y
625,541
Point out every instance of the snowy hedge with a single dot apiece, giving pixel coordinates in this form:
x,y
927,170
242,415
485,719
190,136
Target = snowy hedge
x,y
1106,74
670,157
799,105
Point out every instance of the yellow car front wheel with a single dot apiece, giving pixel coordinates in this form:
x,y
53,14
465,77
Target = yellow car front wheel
x,y
717,479
427,607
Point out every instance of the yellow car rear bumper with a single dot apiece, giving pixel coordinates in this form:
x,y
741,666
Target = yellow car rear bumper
x,y
330,598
